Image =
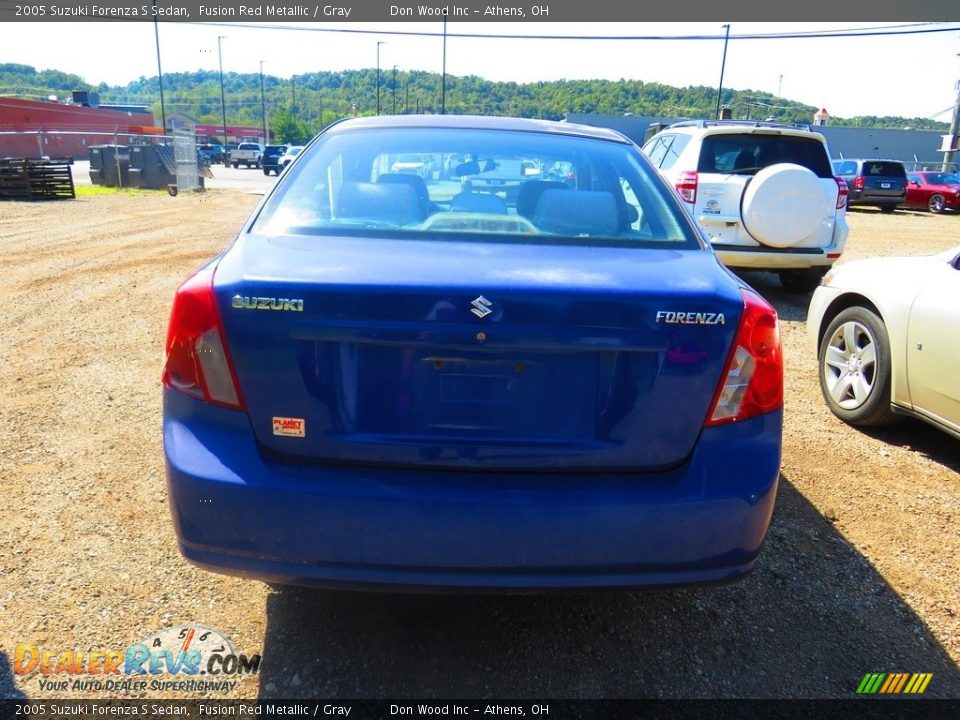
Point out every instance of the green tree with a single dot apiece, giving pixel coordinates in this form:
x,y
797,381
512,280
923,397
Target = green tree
x,y
290,130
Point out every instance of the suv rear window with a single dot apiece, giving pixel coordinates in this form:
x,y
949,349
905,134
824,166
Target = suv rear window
x,y
879,168
749,152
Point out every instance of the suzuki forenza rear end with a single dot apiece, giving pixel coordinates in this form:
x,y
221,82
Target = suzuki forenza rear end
x,y
391,380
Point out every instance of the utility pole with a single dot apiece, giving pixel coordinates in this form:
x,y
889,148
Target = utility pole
x,y
379,43
406,100
223,102
394,89
263,107
780,85
156,37
723,65
293,88
954,130
321,112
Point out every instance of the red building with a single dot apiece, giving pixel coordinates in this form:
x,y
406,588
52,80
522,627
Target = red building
x,y
32,129
235,133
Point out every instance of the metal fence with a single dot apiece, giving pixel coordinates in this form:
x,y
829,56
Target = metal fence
x,y
185,154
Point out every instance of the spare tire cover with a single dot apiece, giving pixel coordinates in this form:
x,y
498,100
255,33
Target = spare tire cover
x,y
782,205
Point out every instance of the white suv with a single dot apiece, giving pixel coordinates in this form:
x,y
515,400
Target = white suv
x,y
764,193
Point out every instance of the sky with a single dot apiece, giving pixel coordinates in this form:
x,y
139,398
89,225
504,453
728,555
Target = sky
x,y
910,76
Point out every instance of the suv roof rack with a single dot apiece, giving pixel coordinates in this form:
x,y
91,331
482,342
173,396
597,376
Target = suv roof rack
x,y
750,123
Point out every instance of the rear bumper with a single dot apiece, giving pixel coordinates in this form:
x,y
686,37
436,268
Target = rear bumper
x,y
235,512
759,257
857,197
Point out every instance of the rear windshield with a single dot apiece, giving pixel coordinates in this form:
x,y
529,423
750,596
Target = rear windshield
x,y
880,168
749,152
495,185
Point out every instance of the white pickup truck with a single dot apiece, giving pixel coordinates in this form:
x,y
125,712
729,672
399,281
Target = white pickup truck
x,y
247,154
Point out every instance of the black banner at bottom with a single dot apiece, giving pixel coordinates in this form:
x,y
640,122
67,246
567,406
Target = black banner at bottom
x,y
859,709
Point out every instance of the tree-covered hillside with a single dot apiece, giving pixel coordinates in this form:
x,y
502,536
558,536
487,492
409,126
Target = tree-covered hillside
x,y
338,94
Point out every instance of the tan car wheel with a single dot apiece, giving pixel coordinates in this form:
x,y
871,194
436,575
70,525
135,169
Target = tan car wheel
x,y
855,369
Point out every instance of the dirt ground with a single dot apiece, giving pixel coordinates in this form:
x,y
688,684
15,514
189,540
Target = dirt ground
x,y
859,573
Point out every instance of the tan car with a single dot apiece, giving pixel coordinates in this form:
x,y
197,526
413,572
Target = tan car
x,y
887,336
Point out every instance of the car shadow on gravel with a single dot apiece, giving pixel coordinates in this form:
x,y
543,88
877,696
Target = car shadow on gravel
x,y
918,436
809,622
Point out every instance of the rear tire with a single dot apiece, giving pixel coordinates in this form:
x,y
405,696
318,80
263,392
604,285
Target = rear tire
x,y
266,171
854,368
801,281
888,209
936,204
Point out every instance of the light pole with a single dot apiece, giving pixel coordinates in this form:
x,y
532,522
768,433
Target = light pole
x,y
223,102
722,66
443,76
379,43
156,36
780,85
263,107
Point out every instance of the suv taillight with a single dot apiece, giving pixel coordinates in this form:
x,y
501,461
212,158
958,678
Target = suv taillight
x,y
858,182
842,192
752,382
198,359
687,186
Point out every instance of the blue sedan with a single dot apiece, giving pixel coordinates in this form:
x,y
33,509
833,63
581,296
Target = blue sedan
x,y
425,380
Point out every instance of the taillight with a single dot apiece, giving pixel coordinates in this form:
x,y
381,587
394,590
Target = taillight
x,y
198,359
752,381
842,192
858,182
687,186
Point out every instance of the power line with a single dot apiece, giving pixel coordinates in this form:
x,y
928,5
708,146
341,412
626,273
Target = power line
x,y
875,31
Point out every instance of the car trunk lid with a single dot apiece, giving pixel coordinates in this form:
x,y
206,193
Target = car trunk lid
x,y
475,355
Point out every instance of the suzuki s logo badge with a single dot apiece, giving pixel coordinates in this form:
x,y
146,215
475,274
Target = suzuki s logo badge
x,y
690,318
481,307
267,303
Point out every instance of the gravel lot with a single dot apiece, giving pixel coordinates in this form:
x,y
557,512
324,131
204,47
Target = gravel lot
x,y
859,573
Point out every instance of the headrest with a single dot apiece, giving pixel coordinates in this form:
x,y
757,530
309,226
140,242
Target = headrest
x,y
577,212
395,204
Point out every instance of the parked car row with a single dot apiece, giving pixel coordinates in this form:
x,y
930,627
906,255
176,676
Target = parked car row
x,y
887,185
272,158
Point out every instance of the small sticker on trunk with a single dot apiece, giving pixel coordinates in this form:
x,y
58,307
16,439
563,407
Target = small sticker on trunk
x,y
290,427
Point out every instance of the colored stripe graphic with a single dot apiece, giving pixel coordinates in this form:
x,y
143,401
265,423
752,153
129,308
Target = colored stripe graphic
x,y
870,683
894,683
903,681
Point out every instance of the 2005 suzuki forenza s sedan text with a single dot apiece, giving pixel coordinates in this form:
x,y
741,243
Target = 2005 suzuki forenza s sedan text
x,y
396,379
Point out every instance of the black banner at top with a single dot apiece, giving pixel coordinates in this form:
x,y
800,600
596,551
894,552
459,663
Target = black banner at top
x,y
520,11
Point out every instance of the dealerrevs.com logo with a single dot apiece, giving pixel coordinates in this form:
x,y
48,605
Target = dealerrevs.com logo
x,y
189,658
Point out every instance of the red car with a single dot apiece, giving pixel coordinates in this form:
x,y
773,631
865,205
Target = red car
x,y
936,191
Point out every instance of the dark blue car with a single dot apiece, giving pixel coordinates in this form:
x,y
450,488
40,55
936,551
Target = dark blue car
x,y
392,379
